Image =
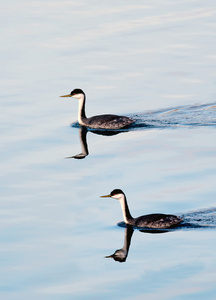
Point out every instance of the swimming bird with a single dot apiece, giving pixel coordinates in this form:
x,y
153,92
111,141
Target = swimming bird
x,y
150,221
101,121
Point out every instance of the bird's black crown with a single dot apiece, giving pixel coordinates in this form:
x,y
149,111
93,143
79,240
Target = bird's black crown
x,y
76,91
116,191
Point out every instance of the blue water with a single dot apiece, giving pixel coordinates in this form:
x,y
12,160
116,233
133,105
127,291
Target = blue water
x,y
184,116
154,62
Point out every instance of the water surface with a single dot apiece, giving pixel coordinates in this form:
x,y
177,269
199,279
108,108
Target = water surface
x,y
153,61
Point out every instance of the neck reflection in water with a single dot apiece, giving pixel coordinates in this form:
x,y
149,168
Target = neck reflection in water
x,y
120,255
83,140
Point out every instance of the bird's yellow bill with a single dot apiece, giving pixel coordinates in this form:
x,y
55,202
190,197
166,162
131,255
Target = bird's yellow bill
x,y
109,256
66,95
106,196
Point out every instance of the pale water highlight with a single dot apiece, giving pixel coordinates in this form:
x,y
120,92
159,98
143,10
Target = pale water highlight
x,y
151,61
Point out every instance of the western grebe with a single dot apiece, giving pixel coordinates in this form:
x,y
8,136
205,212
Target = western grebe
x,y
101,121
150,221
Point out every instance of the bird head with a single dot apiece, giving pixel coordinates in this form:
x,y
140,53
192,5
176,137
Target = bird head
x,y
116,194
76,93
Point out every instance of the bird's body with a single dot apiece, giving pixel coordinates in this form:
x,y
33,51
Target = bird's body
x,y
107,122
156,221
150,221
101,121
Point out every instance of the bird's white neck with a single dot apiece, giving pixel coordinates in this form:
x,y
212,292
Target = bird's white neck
x,y
81,110
125,210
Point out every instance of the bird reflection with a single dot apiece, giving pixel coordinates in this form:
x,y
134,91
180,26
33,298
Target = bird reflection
x,y
120,255
82,136
83,140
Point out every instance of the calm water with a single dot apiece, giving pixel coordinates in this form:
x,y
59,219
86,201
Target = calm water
x,y
153,61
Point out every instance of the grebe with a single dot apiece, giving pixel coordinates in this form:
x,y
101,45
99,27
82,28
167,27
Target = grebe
x,y
101,121
150,221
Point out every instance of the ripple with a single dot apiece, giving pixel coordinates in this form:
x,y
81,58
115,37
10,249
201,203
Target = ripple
x,y
175,117
202,219
184,116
